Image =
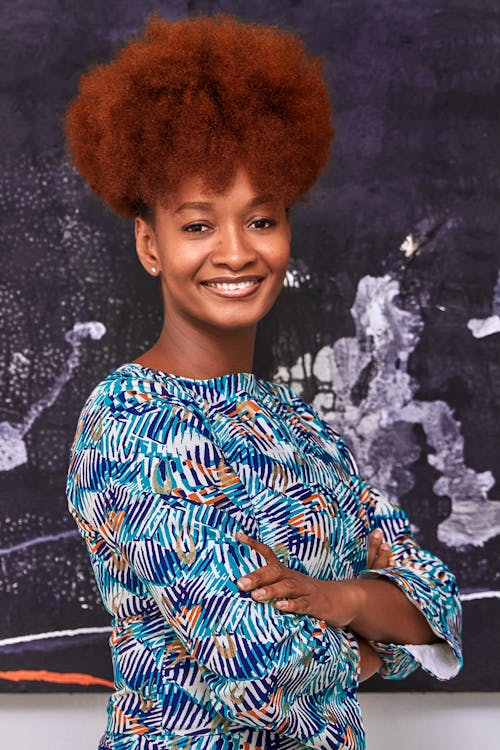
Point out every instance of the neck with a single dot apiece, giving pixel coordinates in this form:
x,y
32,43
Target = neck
x,y
193,353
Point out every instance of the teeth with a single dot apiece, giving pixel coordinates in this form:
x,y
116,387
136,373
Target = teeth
x,y
228,285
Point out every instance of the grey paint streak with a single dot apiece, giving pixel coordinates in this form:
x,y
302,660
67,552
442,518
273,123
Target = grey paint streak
x,y
366,392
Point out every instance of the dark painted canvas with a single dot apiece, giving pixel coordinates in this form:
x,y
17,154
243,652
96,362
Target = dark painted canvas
x,y
389,323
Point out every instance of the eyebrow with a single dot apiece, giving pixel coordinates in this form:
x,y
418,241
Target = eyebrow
x,y
203,206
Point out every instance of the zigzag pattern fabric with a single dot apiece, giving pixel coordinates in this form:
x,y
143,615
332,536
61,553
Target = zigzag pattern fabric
x,y
163,472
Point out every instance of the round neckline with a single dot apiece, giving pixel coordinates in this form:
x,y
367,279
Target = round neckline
x,y
229,382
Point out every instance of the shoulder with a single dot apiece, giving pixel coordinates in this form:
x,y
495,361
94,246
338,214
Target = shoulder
x,y
289,401
129,406
296,409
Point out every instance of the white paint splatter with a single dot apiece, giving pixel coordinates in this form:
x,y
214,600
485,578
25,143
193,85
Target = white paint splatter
x,y
473,595
367,394
482,327
52,634
410,246
13,450
295,276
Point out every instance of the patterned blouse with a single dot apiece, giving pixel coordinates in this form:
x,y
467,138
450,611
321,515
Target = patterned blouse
x,y
164,470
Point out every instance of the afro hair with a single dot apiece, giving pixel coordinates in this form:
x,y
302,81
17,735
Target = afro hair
x,y
199,96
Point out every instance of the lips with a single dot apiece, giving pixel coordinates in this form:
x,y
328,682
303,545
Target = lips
x,y
242,286
231,279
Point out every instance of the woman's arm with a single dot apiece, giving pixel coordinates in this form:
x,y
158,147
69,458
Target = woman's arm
x,y
370,660
375,609
384,613
410,615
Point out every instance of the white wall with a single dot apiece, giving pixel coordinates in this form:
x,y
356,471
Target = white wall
x,y
410,721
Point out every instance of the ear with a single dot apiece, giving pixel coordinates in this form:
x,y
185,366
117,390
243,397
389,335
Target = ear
x,y
146,247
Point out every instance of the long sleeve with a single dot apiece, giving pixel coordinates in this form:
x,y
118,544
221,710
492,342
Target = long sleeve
x,y
424,578
426,581
159,507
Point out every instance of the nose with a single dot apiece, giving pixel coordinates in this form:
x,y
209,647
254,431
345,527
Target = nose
x,y
234,248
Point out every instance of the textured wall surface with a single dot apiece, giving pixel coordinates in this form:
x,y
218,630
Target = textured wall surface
x,y
389,323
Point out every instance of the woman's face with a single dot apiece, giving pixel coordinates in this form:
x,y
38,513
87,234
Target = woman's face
x,y
222,257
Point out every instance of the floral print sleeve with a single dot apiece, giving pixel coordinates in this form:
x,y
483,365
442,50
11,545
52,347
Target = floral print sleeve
x,y
429,585
424,578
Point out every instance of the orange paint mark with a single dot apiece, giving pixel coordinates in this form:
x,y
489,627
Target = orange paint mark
x,y
254,713
275,699
298,522
115,520
186,615
60,678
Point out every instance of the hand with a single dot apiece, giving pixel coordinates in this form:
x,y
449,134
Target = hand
x,y
379,551
335,602
307,595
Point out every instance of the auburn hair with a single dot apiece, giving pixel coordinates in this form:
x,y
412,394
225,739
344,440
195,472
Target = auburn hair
x,y
200,96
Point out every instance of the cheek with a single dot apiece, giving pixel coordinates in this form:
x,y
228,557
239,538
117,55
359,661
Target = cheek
x,y
283,261
182,264
279,256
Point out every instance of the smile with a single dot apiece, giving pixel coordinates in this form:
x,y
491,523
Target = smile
x,y
233,289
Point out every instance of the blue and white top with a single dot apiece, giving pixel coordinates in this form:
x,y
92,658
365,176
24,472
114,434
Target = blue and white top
x,y
164,471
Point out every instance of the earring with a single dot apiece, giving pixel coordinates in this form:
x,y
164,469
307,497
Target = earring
x,y
153,269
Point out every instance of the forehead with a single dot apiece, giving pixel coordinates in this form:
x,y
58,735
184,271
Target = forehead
x,y
194,189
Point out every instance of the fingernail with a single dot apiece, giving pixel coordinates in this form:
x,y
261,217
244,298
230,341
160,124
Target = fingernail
x,y
241,535
377,533
259,593
384,546
244,583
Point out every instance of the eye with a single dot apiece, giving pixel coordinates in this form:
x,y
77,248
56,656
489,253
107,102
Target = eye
x,y
267,222
194,227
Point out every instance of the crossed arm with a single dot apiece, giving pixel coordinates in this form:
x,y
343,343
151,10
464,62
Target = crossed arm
x,y
374,608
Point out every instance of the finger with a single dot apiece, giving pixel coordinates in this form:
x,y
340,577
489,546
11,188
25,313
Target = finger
x,y
374,542
384,553
281,590
300,605
260,547
268,574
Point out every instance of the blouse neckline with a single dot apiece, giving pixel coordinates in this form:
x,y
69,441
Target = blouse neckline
x,y
229,383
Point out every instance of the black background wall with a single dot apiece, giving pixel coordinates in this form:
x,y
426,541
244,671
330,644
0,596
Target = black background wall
x,y
389,323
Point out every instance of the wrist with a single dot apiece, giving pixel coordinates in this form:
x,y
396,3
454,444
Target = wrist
x,y
359,600
344,603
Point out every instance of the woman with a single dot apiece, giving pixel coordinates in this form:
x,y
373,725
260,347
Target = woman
x,y
207,130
